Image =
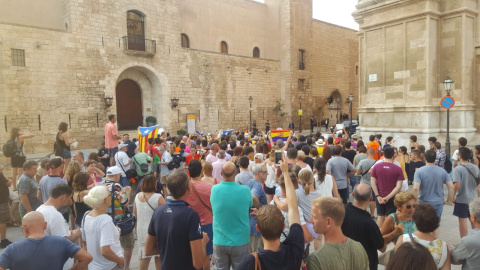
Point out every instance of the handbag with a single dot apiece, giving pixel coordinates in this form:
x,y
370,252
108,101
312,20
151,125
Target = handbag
x,y
383,258
127,222
257,261
198,196
130,173
143,167
146,200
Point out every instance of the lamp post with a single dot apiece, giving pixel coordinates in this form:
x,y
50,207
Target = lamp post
x,y
448,85
350,100
300,99
250,99
338,108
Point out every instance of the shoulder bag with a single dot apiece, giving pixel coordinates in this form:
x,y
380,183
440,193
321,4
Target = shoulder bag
x,y
146,200
143,167
199,198
257,261
477,180
130,173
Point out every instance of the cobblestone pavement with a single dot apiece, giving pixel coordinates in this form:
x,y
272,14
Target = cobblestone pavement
x,y
448,232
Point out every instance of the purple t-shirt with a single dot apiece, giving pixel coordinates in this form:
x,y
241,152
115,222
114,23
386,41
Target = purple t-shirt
x,y
387,175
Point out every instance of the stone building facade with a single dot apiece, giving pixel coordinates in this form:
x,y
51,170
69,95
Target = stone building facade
x,y
61,59
407,48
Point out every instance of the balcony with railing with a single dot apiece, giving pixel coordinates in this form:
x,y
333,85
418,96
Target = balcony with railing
x,y
139,46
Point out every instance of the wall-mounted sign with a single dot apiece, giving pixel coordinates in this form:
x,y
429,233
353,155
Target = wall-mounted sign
x,y
372,77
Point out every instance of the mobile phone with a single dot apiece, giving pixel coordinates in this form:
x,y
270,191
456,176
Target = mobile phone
x,y
278,157
199,152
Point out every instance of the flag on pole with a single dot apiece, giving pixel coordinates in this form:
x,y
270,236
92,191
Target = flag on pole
x,y
201,134
227,131
280,135
145,133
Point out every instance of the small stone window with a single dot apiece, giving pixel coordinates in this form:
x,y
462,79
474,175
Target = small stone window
x,y
18,57
185,41
256,52
223,47
301,59
356,70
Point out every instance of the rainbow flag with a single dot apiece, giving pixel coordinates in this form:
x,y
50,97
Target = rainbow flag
x,y
144,133
280,135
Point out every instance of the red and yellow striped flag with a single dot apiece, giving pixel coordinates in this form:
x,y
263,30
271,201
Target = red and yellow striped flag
x,y
144,133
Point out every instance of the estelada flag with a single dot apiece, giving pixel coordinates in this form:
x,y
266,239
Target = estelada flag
x,y
280,135
144,133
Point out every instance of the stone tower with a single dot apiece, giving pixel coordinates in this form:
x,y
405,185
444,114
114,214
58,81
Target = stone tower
x,y
407,49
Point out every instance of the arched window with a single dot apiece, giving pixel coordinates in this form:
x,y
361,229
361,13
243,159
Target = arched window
x,y
136,30
185,41
256,52
223,47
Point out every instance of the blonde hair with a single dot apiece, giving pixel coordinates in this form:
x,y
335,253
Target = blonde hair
x,y
330,207
305,177
207,169
96,195
402,198
301,155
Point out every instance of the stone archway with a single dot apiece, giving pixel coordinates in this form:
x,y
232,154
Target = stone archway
x,y
147,79
335,108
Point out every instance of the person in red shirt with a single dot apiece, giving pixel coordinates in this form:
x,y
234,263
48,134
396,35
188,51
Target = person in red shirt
x,y
193,156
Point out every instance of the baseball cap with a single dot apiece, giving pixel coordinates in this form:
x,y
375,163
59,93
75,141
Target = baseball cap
x,y
114,170
120,146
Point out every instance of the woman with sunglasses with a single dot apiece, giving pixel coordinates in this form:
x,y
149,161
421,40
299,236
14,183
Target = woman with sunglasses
x,y
400,222
427,221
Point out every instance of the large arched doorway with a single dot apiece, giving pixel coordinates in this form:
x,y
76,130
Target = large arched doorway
x,y
129,105
335,108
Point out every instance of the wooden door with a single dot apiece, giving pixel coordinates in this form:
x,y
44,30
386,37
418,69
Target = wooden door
x,y
129,105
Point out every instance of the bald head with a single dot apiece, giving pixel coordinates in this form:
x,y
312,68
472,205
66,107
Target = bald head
x,y
362,193
229,171
33,223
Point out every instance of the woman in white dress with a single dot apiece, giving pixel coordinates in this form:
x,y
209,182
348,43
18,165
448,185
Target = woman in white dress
x,y
145,203
100,236
324,183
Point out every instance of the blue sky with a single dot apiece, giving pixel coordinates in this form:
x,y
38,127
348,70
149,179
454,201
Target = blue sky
x,y
334,11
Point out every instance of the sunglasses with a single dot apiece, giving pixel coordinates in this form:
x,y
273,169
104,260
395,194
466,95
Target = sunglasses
x,y
409,206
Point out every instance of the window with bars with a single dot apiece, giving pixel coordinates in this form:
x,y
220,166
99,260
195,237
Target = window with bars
x,y
18,57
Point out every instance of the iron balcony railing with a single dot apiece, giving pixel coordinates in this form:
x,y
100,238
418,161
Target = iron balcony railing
x,y
139,44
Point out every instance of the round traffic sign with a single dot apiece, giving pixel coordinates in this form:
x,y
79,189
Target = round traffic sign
x,y
447,102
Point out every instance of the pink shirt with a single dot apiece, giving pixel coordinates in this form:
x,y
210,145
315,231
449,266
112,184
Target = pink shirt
x,y
110,131
204,189
217,169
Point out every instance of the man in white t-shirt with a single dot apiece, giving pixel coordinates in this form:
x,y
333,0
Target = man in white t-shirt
x,y
123,161
60,196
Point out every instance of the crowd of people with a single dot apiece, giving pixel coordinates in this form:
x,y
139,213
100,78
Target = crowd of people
x,y
241,201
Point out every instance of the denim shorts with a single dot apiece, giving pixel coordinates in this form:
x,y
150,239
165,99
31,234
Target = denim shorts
x,y
208,228
66,154
112,152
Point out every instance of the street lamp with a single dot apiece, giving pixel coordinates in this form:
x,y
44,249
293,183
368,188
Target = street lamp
x,y
350,100
250,99
300,99
338,108
448,85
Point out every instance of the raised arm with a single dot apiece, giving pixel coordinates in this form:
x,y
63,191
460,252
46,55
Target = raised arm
x,y
293,215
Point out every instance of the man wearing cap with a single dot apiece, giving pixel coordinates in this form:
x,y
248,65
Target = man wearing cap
x,y
123,161
55,165
121,197
217,166
111,138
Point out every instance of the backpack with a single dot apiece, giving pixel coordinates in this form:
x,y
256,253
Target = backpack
x,y
131,146
176,160
448,165
10,148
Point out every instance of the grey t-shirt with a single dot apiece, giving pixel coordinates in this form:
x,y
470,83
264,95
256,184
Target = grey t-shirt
x,y
364,165
468,186
431,179
46,184
468,251
339,168
28,185
305,201
243,177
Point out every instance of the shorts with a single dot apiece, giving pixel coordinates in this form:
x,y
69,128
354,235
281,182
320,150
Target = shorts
x,y
124,181
270,191
18,161
461,210
127,241
156,168
66,154
112,152
208,229
386,209
4,213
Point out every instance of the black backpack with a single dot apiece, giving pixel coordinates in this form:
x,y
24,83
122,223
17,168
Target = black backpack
x,y
448,165
131,146
176,160
10,148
